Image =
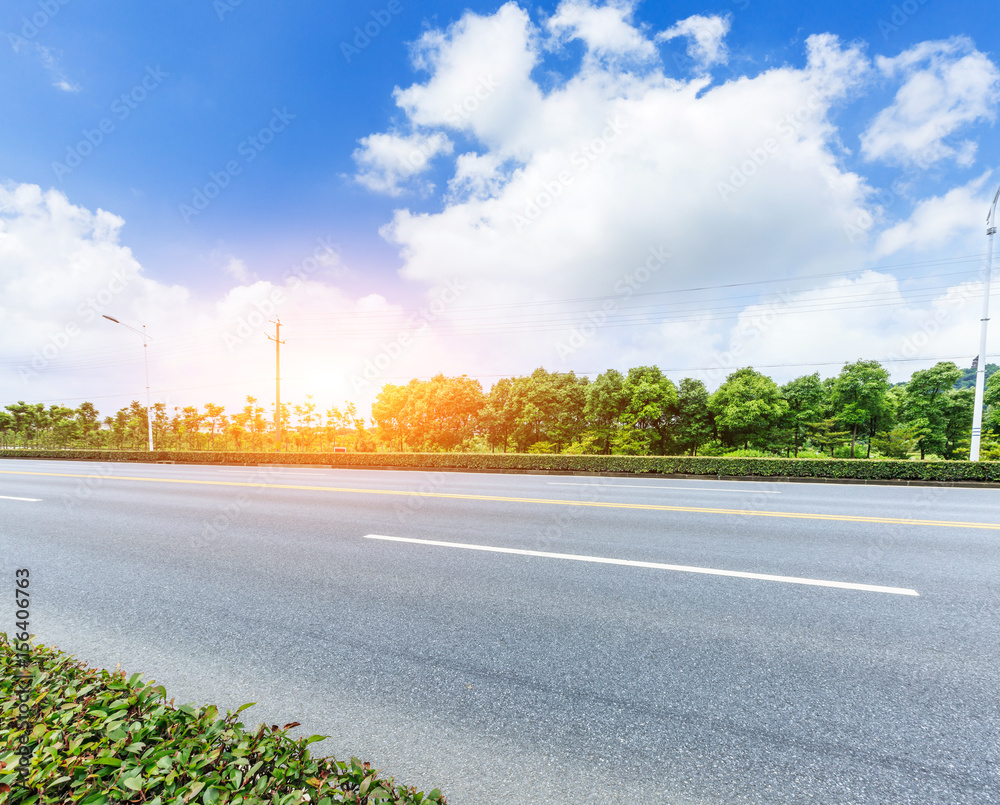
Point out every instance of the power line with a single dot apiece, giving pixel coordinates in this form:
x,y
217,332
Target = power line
x,y
665,370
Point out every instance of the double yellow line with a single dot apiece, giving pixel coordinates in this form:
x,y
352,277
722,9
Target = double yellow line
x,y
848,518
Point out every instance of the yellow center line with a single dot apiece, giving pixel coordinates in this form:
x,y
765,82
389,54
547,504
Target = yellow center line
x,y
849,518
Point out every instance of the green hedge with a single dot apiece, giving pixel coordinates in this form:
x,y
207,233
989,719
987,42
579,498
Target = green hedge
x,y
832,468
97,738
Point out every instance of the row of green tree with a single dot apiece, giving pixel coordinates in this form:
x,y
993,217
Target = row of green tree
x,y
639,412
33,425
642,412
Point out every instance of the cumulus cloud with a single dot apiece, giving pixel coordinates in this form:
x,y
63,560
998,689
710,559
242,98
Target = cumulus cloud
x,y
946,86
480,79
236,269
868,316
63,268
606,30
705,36
957,216
609,164
566,187
387,162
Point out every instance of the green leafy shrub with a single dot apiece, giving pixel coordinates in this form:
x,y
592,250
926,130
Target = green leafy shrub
x,y
748,452
97,738
724,466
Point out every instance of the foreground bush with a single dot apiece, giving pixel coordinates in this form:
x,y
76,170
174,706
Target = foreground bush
x,y
98,738
719,466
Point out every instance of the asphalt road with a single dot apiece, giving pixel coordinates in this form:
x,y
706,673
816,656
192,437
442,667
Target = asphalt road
x,y
505,676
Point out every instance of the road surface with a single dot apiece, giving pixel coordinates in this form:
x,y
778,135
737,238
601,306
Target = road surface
x,y
747,642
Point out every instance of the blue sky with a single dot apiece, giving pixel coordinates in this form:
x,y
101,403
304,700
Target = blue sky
x,y
216,74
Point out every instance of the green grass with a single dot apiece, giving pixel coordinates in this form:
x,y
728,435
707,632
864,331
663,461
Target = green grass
x,y
97,738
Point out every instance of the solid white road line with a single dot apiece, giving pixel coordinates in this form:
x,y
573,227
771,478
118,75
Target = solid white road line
x,y
685,488
30,500
843,585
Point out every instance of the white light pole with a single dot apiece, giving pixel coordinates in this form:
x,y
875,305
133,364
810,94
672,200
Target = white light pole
x,y
145,356
977,411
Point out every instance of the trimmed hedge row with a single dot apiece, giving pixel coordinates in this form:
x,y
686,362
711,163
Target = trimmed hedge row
x,y
833,468
97,738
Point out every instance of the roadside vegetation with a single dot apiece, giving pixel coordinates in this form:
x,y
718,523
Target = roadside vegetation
x,y
641,412
96,737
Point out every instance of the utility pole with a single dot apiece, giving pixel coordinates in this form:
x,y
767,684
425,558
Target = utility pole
x,y
977,411
277,379
145,358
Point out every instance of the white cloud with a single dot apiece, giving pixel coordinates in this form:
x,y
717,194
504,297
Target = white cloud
x,y
480,79
236,269
622,163
705,35
63,267
870,316
607,30
387,162
50,61
941,221
947,86
563,196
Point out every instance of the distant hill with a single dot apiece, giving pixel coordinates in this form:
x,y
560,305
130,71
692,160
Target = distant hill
x,y
968,378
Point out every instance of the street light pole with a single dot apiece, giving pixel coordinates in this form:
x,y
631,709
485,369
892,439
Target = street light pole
x,y
145,358
977,411
277,380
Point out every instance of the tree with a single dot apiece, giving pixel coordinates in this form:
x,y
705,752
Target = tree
x,y
693,423
607,402
652,401
88,423
747,408
804,396
898,442
925,405
991,399
570,403
957,408
389,414
860,396
498,416
825,435
534,400
60,425
214,414
6,429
